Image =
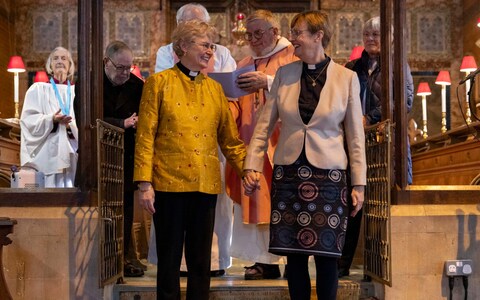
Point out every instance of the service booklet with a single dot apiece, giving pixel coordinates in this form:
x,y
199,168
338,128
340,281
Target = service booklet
x,y
227,80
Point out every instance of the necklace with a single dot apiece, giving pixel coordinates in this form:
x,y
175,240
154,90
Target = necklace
x,y
314,80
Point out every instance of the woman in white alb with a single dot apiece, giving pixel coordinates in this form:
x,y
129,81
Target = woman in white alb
x,y
49,139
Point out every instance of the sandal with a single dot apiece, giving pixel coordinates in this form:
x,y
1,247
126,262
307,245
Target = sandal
x,y
262,271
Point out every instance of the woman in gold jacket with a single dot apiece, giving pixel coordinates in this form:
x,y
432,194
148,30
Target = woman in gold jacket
x,y
183,116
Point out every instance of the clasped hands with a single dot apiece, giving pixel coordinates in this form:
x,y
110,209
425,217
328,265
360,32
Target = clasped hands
x,y
58,117
251,181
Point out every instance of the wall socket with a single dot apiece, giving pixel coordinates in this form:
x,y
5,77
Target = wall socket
x,y
459,267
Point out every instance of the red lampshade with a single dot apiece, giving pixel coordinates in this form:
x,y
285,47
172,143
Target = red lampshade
x,y
424,89
136,72
16,64
468,64
41,76
443,78
356,52
478,22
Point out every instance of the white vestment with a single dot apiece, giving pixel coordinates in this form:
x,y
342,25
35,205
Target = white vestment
x,y
53,153
222,232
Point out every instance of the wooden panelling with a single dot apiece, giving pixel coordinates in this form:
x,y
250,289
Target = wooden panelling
x,y
6,79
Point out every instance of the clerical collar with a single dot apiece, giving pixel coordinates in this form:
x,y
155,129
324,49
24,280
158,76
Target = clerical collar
x,y
186,71
312,67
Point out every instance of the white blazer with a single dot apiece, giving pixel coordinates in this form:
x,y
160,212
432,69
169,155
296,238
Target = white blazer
x,y
337,117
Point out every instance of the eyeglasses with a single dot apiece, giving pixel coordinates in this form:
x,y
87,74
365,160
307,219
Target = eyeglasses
x,y
121,68
294,33
257,34
207,46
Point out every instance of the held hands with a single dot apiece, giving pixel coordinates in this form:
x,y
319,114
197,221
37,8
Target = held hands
x,y
251,181
131,121
146,196
358,193
252,81
60,118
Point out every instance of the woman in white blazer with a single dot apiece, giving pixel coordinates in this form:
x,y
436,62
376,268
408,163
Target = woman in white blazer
x,y
321,134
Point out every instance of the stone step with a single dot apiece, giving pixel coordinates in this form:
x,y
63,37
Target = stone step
x,y
234,288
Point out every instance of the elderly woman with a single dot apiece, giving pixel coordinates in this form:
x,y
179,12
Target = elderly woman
x,y
368,69
183,116
318,103
49,139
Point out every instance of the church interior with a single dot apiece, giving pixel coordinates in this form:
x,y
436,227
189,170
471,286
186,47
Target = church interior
x,y
54,244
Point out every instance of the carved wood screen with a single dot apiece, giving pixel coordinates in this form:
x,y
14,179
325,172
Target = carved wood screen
x,y
110,204
376,211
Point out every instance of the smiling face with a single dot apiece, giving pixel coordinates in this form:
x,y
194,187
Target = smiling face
x,y
262,35
308,46
60,64
197,53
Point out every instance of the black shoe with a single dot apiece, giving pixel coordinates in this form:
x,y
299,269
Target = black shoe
x,y
129,270
262,271
217,273
343,273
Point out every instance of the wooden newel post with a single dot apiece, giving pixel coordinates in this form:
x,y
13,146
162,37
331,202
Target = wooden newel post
x,y
6,227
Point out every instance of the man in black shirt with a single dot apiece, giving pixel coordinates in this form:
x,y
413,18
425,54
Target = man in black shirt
x,y
121,101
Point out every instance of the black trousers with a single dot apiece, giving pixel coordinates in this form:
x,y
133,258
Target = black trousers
x,y
351,241
299,285
184,219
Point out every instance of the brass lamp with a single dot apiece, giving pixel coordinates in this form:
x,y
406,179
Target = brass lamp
x,y
443,79
424,91
16,65
468,65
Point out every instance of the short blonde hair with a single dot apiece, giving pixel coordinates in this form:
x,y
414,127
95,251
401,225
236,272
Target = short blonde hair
x,y
71,69
186,32
316,20
372,24
265,15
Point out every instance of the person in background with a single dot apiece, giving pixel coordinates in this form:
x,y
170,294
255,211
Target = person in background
x,y
269,51
177,163
121,100
49,133
368,69
318,103
222,61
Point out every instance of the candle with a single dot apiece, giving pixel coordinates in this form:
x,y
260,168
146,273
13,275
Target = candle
x,y
15,87
444,98
424,108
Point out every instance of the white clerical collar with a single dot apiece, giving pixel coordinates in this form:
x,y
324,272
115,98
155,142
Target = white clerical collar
x,y
311,67
193,73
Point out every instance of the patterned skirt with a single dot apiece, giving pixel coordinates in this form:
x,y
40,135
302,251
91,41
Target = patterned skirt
x,y
309,210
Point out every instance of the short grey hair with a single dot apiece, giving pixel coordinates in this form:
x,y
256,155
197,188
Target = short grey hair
x,y
372,24
71,69
115,47
265,15
192,6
